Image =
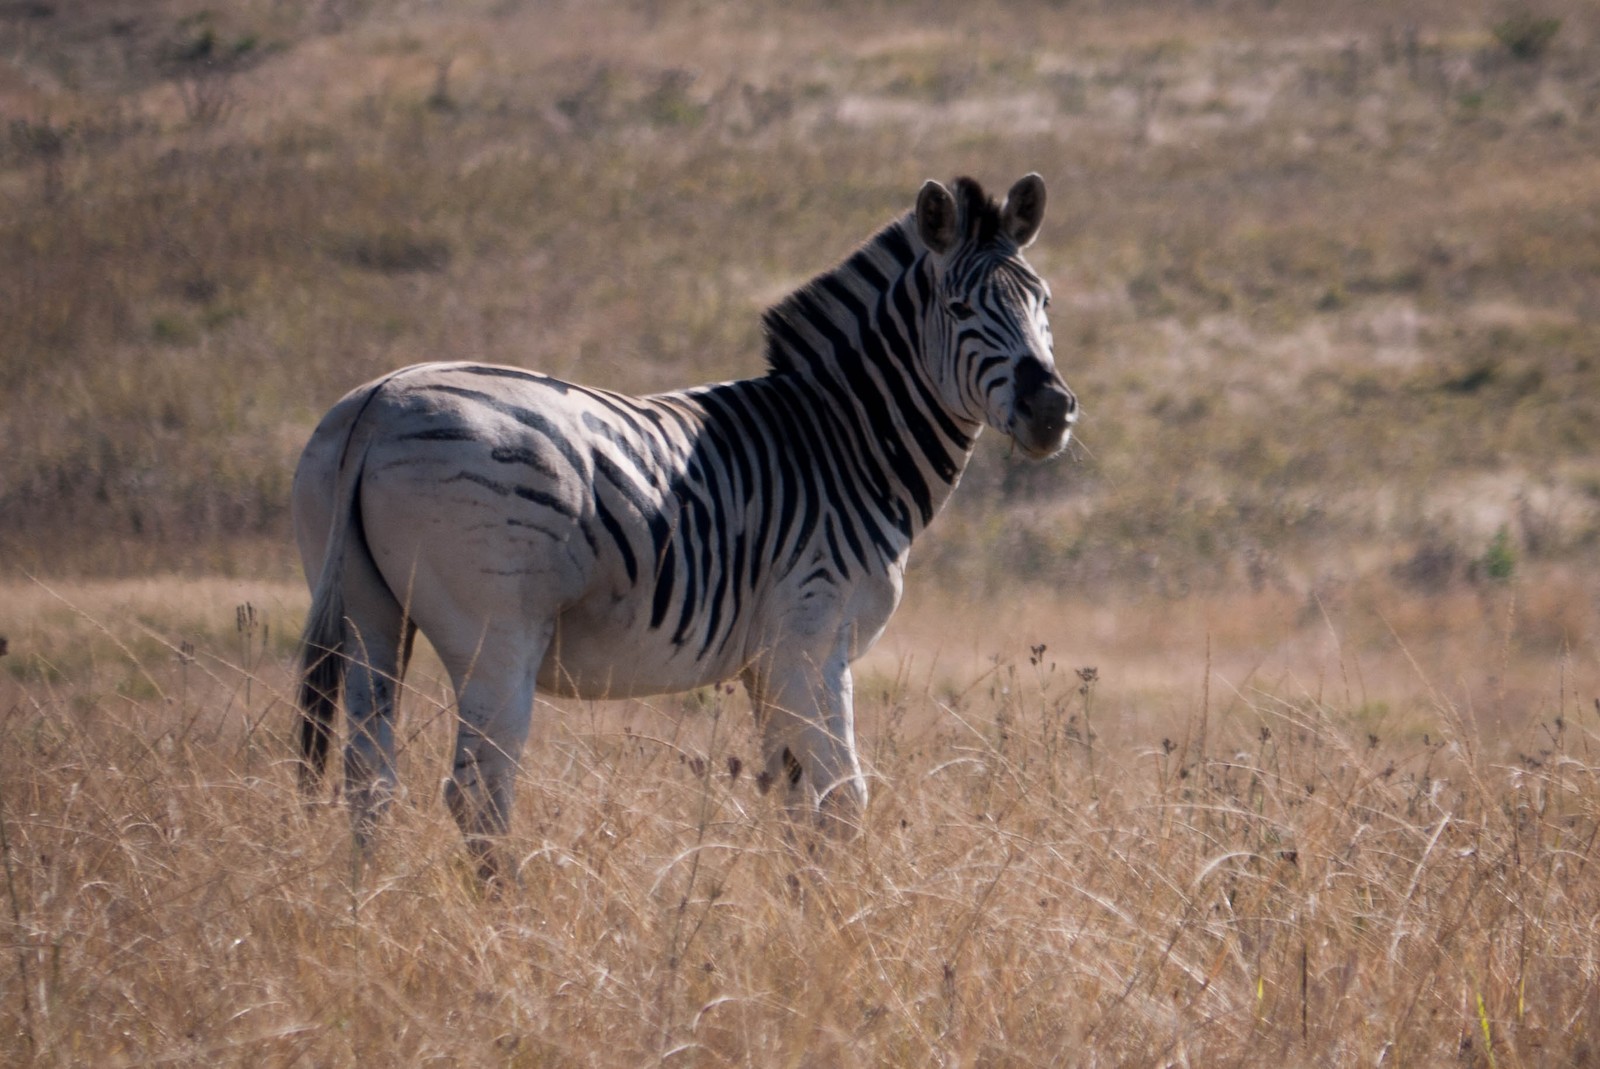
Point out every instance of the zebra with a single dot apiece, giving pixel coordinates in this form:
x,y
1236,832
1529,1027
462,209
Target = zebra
x,y
556,537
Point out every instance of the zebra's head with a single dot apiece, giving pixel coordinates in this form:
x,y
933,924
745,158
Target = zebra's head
x,y
987,333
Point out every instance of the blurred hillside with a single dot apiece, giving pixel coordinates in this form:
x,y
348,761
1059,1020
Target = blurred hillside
x,y
1327,275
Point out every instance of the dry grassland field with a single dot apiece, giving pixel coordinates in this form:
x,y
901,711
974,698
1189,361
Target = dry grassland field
x,y
1260,729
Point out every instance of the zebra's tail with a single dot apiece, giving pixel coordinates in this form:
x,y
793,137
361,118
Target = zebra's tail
x,y
322,654
321,674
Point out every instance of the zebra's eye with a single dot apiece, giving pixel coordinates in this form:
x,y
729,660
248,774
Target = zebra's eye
x,y
961,309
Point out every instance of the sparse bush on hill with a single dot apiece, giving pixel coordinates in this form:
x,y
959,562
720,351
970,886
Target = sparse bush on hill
x,y
1525,35
1257,285
202,64
1499,561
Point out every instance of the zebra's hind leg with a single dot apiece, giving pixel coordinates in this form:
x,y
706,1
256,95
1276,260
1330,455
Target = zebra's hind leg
x,y
378,638
495,689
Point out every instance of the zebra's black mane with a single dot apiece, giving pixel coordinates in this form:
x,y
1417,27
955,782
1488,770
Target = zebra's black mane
x,y
979,211
876,259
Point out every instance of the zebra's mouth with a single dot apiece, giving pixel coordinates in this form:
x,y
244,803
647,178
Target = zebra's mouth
x,y
1044,434
1035,448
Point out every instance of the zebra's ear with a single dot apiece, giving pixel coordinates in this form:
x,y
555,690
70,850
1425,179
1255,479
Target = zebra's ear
x,y
936,217
1024,210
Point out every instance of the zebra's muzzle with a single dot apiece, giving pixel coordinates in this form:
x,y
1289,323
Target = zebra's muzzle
x,y
1042,419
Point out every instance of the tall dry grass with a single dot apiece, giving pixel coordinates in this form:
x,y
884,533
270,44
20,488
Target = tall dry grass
x,y
1056,869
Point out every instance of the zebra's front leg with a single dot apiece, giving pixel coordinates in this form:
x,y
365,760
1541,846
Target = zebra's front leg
x,y
806,715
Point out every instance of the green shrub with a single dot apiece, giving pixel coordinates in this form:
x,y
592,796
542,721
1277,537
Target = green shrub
x,y
1499,561
1525,35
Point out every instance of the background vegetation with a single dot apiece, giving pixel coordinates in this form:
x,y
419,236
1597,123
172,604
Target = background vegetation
x,y
1325,280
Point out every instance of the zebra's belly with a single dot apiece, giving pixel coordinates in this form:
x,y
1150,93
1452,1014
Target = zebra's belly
x,y
621,661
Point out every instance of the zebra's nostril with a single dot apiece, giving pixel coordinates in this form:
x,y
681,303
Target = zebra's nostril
x,y
1050,405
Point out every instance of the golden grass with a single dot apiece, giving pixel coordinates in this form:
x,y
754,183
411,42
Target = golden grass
x,y
1192,866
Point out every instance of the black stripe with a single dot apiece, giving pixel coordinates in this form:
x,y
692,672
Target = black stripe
x,y
909,310
527,493
660,529
840,565
540,497
727,491
735,592
614,529
495,371
893,240
842,490
729,416
665,569
697,529
863,267
986,365
627,427
525,525
904,467
588,536
913,378
440,434
792,482
479,480
526,416
661,533
719,592
817,575
648,467
527,457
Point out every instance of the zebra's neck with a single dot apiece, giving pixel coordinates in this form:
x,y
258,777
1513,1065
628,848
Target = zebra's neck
x,y
854,337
